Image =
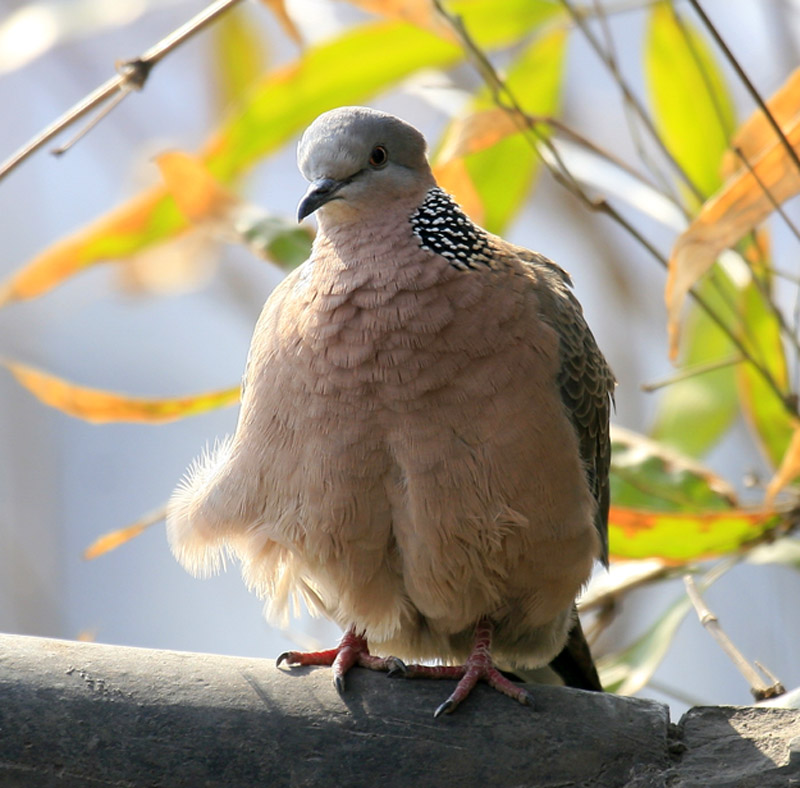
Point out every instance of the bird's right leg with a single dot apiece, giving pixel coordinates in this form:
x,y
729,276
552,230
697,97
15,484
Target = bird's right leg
x,y
352,650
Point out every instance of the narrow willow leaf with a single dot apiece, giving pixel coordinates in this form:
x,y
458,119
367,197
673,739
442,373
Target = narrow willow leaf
x,y
789,468
198,194
112,540
691,104
694,413
733,212
279,106
239,56
756,134
278,7
491,23
504,173
649,475
680,537
101,407
764,410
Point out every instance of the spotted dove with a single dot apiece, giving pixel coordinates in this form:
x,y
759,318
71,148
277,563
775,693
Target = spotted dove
x,y
422,450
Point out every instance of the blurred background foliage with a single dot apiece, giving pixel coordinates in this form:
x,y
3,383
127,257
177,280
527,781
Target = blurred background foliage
x,y
693,176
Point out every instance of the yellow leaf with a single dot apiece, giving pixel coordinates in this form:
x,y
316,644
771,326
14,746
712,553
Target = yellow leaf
x,y
106,237
789,470
278,7
100,407
198,194
756,133
111,541
725,219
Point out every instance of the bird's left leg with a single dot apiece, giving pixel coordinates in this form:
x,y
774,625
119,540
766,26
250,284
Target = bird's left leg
x,y
352,650
478,667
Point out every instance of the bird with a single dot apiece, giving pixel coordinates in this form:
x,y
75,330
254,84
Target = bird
x,y
422,449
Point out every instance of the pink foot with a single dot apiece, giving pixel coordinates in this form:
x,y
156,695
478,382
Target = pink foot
x,y
352,650
478,667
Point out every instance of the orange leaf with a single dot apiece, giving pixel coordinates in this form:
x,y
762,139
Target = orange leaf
x,y
789,470
475,133
725,219
100,407
278,7
453,177
111,541
679,537
468,135
417,12
756,133
77,251
198,194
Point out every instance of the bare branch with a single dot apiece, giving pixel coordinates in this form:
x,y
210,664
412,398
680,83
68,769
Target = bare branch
x,y
132,75
759,689
690,372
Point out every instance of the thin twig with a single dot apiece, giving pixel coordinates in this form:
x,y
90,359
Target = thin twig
x,y
691,372
751,88
629,95
759,689
132,75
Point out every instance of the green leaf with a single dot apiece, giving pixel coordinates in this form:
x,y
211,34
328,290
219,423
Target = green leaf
x,y
764,410
277,239
680,537
692,106
694,413
347,70
497,23
238,54
648,475
504,174
285,101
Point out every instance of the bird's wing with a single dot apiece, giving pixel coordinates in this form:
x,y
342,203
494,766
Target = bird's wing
x,y
585,380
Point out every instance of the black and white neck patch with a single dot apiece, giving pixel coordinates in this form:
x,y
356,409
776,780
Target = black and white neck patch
x,y
443,228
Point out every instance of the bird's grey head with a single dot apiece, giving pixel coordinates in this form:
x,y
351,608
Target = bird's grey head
x,y
358,160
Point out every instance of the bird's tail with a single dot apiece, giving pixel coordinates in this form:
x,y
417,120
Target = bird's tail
x,y
574,663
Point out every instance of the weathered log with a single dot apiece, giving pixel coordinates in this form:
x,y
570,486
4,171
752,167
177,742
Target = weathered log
x,y
81,714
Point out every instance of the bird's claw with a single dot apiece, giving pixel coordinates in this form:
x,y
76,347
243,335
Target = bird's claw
x,y
338,682
446,708
398,667
284,657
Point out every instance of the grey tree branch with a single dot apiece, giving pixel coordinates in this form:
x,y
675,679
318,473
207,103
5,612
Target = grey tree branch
x,y
131,75
758,687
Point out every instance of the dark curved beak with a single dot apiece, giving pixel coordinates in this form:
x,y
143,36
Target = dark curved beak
x,y
319,192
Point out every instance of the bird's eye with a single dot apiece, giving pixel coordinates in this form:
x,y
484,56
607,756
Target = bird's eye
x,y
378,157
